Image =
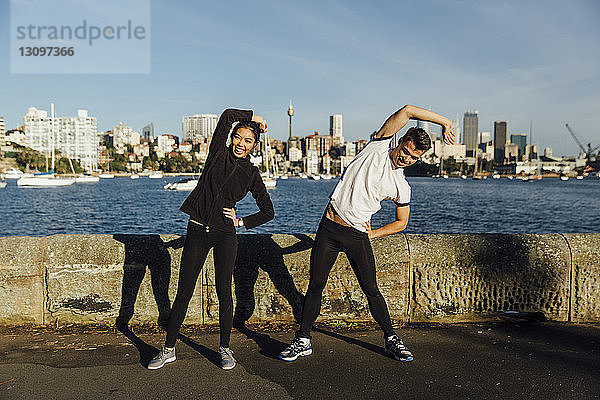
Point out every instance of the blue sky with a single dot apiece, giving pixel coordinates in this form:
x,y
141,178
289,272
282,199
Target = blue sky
x,y
510,60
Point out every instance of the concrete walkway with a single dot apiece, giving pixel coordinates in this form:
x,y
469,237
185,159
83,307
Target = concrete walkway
x,y
505,360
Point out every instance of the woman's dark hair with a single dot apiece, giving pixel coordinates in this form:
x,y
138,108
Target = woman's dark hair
x,y
253,126
419,137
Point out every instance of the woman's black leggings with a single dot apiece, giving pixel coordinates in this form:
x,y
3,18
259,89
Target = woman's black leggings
x,y
198,242
332,238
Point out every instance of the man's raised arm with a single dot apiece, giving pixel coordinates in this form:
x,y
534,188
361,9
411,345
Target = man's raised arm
x,y
400,118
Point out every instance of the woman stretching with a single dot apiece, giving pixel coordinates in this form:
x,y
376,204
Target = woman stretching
x,y
227,177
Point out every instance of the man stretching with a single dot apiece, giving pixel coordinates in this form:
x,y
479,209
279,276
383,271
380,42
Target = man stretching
x,y
375,174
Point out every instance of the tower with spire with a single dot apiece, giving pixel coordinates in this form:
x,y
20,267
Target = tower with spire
x,y
290,112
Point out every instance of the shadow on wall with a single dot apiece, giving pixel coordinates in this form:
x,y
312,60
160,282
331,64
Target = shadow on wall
x,y
490,273
261,251
143,251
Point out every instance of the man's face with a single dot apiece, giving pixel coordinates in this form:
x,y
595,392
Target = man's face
x,y
405,154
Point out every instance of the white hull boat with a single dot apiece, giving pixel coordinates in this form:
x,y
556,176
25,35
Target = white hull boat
x,y
87,179
183,185
45,181
270,182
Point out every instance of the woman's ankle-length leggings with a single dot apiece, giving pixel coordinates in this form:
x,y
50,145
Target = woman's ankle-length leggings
x,y
332,238
198,242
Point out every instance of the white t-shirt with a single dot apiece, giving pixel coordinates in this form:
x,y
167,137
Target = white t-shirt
x,y
368,180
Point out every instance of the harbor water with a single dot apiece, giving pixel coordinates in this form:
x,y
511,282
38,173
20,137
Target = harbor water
x,y
142,206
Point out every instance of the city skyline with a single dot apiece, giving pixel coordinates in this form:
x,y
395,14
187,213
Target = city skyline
x,y
512,62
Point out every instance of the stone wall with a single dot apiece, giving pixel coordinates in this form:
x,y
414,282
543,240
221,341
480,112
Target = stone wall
x,y
88,278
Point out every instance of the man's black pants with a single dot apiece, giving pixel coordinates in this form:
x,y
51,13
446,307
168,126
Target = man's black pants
x,y
332,238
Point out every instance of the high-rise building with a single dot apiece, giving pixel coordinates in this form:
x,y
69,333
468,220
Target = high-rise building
x,y
74,137
521,141
335,129
2,132
148,132
511,152
499,140
325,144
470,130
199,126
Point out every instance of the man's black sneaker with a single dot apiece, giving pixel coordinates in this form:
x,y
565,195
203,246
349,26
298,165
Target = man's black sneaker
x,y
299,347
396,348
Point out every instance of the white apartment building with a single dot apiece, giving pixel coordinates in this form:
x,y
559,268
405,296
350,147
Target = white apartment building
x,y
335,129
141,150
166,144
199,126
74,137
16,137
294,154
2,132
123,135
311,166
350,149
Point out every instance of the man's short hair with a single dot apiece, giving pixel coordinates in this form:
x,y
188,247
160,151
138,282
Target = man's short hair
x,y
419,137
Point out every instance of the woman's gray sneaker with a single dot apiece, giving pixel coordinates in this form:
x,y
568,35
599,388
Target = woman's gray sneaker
x,y
395,347
164,356
299,347
227,360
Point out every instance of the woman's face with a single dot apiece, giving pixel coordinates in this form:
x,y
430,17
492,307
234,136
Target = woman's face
x,y
242,142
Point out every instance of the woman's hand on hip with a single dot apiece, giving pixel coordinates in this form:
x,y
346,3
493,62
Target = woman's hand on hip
x,y
230,213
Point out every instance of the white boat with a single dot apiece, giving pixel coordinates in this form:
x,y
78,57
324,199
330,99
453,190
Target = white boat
x,y
87,179
44,181
564,178
579,177
496,176
2,185
463,177
270,182
314,177
510,177
183,185
134,176
156,175
106,176
326,177
303,176
284,177
445,176
13,173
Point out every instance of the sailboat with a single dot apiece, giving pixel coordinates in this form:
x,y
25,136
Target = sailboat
x,y
46,179
269,180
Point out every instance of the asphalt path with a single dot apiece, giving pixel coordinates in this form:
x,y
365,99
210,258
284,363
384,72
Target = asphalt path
x,y
500,360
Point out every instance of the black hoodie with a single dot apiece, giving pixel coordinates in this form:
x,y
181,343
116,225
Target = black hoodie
x,y
226,180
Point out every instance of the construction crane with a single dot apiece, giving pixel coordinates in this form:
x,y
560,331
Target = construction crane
x,y
589,153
